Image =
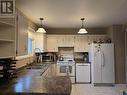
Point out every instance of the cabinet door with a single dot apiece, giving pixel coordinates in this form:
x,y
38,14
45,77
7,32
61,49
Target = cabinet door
x,y
65,41
39,42
86,45
69,40
82,72
80,44
60,40
83,44
22,35
52,44
76,44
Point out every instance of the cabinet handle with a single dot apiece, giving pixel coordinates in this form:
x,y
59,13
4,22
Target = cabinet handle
x,y
82,65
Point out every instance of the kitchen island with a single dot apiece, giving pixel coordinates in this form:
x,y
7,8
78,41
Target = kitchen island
x,y
36,81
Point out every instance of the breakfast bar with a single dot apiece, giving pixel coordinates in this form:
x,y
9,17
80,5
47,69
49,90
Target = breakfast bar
x,y
33,80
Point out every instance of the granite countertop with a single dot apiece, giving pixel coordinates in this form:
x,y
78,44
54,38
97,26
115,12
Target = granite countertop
x,y
33,82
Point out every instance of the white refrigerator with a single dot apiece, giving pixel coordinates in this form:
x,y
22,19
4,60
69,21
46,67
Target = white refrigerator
x,y
101,57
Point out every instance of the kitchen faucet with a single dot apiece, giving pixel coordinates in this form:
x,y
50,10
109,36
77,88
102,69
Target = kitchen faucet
x,y
39,58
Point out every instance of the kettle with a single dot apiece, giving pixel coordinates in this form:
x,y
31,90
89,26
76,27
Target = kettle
x,y
86,58
61,58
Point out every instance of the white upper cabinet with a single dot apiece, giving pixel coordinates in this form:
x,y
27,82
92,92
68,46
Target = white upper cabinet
x,y
52,43
22,34
40,42
79,42
65,41
69,40
60,40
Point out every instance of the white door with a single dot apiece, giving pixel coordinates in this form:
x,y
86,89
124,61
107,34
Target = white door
x,y
97,74
107,63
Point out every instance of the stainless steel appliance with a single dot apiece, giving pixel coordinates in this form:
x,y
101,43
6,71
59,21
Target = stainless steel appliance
x,y
66,67
47,57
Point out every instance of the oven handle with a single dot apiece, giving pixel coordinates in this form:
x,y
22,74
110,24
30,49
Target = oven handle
x,y
83,65
67,70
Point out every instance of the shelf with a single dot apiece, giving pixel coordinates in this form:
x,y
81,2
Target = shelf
x,y
2,23
7,16
6,40
6,57
7,37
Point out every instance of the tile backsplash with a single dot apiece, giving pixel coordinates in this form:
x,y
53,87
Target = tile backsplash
x,y
66,52
78,55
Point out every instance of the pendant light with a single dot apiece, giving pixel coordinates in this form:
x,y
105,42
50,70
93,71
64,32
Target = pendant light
x,y
41,29
82,30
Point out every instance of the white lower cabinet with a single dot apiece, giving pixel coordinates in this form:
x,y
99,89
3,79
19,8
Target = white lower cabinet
x,y
82,72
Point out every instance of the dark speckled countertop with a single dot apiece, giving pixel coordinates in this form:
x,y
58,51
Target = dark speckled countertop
x,y
33,82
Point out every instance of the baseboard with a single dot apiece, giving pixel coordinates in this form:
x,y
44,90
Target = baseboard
x,y
104,84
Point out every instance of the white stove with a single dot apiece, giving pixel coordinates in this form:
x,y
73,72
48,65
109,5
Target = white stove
x,y
66,67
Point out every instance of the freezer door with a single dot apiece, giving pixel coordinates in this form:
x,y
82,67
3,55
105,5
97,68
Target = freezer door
x,y
107,51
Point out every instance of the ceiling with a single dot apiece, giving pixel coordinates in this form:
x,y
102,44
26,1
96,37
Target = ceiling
x,y
67,13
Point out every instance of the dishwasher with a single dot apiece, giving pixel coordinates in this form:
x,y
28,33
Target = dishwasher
x,y
82,72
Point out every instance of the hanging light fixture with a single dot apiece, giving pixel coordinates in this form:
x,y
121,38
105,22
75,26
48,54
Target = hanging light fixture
x,y
41,29
82,30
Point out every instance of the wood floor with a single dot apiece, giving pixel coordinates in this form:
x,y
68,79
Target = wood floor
x,y
88,89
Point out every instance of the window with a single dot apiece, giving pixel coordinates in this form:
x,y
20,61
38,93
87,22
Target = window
x,y
30,46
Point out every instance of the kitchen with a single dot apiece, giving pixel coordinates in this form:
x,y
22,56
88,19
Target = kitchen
x,y
65,52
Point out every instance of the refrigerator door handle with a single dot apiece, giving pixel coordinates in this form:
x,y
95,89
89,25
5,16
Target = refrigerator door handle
x,y
103,60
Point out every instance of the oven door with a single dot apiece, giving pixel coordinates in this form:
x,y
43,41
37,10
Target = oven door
x,y
64,70
71,70
61,70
